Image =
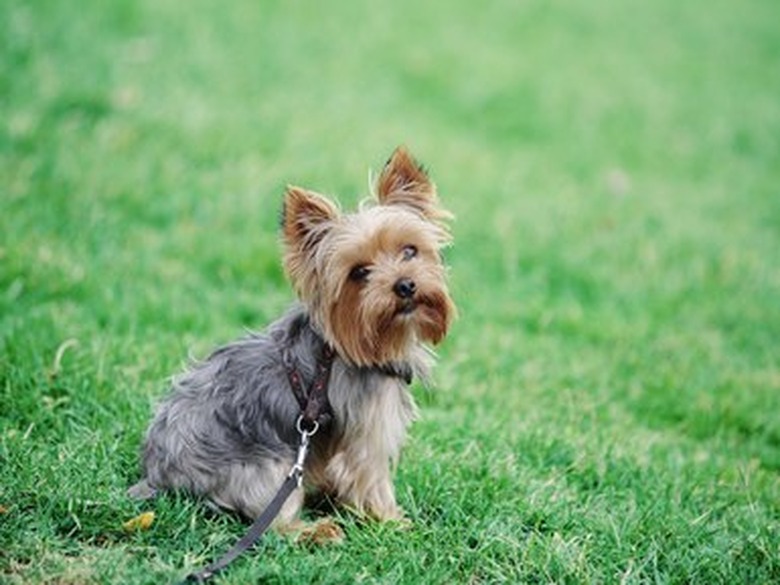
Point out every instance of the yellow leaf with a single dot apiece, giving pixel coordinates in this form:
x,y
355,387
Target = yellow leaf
x,y
140,522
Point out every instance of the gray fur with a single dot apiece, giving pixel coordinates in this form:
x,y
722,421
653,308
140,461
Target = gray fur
x,y
227,430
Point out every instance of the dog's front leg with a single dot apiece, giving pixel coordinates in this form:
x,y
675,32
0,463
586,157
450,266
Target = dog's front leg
x,y
362,482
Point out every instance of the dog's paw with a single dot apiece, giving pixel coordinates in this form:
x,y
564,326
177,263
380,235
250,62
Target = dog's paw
x,y
321,532
402,523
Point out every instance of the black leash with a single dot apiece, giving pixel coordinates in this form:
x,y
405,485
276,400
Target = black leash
x,y
263,521
315,409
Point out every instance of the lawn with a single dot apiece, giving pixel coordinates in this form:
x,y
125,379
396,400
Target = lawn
x,y
607,406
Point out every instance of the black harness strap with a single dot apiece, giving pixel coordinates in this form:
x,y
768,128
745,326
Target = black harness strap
x,y
318,409
294,378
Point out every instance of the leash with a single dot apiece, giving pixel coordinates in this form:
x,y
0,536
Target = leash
x,y
261,524
315,409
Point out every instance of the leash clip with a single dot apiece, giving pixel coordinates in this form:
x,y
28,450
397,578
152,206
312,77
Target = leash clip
x,y
303,448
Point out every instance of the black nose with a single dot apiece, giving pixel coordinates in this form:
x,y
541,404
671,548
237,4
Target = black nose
x,y
404,288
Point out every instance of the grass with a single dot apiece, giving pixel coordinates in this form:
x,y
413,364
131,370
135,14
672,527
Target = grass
x,y
607,407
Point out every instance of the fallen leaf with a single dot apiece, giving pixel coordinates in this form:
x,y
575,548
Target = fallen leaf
x,y
140,522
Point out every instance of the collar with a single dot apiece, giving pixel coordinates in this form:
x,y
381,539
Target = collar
x,y
402,370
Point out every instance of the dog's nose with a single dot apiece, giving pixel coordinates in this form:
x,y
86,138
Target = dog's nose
x,y
405,288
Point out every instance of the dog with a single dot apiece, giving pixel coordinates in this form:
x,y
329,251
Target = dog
x,y
372,290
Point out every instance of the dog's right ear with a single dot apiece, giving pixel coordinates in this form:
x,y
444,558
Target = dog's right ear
x,y
306,218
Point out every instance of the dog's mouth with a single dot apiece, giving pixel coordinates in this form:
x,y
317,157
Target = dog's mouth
x,y
406,307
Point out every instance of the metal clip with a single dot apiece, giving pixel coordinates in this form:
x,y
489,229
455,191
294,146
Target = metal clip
x,y
303,449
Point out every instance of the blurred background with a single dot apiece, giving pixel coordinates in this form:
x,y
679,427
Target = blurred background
x,y
613,167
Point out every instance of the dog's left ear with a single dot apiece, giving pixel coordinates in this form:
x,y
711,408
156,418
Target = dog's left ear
x,y
404,182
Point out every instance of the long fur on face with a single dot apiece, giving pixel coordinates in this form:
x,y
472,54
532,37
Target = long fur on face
x,y
371,285
398,238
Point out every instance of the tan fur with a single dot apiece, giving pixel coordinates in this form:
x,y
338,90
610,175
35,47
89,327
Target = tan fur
x,y
365,321
356,466
403,181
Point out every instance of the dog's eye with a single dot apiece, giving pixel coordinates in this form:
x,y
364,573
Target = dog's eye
x,y
409,252
359,273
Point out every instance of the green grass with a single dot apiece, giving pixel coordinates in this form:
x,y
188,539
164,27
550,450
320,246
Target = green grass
x,y
607,407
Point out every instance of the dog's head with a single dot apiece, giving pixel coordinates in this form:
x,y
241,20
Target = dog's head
x,y
373,280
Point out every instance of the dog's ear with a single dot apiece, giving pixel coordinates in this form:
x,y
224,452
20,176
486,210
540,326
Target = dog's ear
x,y
403,181
306,218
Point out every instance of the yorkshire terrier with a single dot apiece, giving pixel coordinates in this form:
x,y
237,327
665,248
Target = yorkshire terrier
x,y
373,290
